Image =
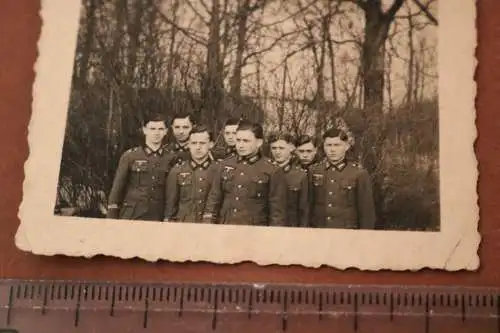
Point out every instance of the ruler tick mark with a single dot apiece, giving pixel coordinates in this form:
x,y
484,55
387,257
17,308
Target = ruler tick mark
x,y
391,307
462,307
320,306
77,310
45,296
113,296
355,312
284,316
181,304
9,307
250,304
146,309
498,313
427,316
214,315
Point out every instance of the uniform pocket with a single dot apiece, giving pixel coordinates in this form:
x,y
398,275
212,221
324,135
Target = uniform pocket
x,y
260,185
349,190
127,211
185,182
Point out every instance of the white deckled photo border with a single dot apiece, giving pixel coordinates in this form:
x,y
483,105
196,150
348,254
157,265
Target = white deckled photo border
x,y
454,247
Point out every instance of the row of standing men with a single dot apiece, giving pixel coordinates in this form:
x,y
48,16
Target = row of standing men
x,y
191,180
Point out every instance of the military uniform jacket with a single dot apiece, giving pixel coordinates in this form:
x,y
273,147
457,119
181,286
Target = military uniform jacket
x,y
297,196
250,191
187,188
223,152
139,184
341,196
181,152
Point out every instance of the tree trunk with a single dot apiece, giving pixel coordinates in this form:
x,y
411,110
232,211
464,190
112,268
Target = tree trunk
x,y
242,18
172,55
90,23
321,112
281,112
411,63
213,87
134,29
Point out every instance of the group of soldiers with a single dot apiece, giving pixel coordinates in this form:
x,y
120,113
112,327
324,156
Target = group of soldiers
x,y
192,180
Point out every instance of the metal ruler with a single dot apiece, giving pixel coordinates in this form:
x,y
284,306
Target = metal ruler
x,y
69,306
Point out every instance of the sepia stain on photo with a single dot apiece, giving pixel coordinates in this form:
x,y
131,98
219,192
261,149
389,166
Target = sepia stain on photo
x,y
297,113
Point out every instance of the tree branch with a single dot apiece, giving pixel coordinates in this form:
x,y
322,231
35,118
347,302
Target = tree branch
x,y
425,10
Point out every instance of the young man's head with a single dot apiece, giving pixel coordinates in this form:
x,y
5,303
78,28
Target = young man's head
x,y
306,149
182,124
249,138
154,129
335,145
229,131
282,147
200,142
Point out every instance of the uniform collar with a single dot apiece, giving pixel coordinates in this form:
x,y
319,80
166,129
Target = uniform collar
x,y
149,151
202,166
230,149
249,159
285,167
180,147
339,166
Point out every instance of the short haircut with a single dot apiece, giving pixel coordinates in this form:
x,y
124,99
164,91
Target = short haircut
x,y
200,128
182,115
287,137
335,132
255,128
305,139
232,122
155,117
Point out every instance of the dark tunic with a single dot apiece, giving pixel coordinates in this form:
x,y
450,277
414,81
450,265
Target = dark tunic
x,y
297,196
187,188
248,191
138,191
223,152
341,196
181,152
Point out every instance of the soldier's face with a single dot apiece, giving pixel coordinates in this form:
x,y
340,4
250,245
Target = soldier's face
x,y
281,151
335,149
246,143
230,134
154,132
181,127
306,153
199,145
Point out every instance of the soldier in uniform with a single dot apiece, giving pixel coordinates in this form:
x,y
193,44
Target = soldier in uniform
x,y
306,152
188,184
181,126
248,189
341,191
228,148
297,197
138,191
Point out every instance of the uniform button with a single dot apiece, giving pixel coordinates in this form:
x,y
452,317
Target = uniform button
x,y
237,198
258,195
201,178
329,205
239,186
328,218
235,210
332,181
153,177
201,191
242,174
200,201
330,193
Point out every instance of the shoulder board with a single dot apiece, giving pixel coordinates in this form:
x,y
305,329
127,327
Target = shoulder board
x,y
131,150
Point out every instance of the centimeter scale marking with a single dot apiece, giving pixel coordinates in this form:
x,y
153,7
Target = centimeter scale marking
x,y
68,306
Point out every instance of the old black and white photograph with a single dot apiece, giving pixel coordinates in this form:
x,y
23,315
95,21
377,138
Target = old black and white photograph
x,y
314,116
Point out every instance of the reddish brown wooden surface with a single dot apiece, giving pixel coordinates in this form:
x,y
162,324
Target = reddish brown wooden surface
x,y
19,29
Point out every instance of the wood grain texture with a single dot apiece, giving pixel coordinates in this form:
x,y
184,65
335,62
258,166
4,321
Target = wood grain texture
x,y
19,30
